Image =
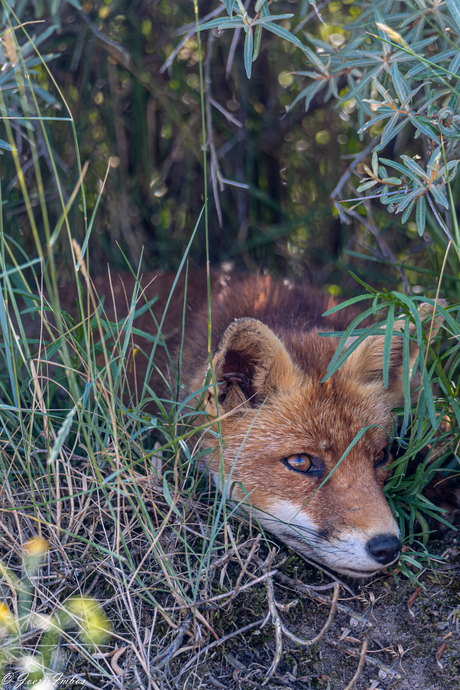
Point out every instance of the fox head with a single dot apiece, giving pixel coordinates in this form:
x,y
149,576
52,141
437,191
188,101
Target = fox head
x,y
309,457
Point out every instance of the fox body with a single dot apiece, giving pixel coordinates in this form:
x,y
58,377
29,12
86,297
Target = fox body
x,y
294,451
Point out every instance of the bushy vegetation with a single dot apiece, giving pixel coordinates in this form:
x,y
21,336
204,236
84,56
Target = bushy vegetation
x,y
331,138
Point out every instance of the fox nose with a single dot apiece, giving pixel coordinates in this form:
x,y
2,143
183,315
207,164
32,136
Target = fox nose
x,y
384,548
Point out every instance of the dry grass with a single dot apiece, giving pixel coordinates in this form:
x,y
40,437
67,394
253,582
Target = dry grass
x,y
130,521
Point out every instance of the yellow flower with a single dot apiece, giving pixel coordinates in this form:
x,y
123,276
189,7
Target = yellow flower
x,y
6,617
36,547
94,623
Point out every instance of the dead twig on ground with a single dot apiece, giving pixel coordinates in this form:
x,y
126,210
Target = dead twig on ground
x,y
369,659
193,660
312,592
281,629
362,660
231,595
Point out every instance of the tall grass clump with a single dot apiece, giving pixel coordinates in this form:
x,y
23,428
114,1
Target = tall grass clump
x,y
110,488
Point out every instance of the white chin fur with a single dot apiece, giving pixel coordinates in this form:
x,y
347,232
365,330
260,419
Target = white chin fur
x,y
346,553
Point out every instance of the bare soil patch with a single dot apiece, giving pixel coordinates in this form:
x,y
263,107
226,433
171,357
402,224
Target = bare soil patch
x,y
412,632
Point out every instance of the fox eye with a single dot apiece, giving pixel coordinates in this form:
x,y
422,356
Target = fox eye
x,y
381,457
300,462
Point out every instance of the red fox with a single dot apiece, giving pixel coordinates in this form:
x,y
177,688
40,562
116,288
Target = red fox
x,y
284,429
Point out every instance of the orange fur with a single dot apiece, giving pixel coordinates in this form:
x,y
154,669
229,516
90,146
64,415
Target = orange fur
x,y
269,362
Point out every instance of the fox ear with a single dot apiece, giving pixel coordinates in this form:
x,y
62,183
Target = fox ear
x,y
365,364
250,362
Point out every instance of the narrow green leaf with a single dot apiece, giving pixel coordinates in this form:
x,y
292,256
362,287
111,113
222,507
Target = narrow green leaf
x,y
420,215
391,130
402,169
271,18
434,158
340,356
248,52
8,349
415,167
413,309
453,101
398,82
62,434
422,125
366,185
375,162
308,93
406,373
16,269
233,23
347,303
374,120
439,196
408,198
359,88
407,212
387,343
168,497
257,39
428,393
283,33
441,310
326,47
454,9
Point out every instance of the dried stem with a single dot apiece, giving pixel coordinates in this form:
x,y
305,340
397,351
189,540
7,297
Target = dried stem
x,y
362,660
313,593
369,659
280,628
260,623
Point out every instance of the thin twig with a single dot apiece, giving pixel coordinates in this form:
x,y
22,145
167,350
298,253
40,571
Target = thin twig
x,y
192,25
369,659
177,49
231,52
245,566
123,55
165,657
233,46
194,659
225,112
362,660
281,629
310,15
219,597
312,592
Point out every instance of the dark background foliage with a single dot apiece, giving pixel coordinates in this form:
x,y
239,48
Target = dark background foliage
x,y
132,104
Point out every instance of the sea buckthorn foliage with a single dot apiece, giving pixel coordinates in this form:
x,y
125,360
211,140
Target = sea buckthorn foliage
x,y
345,100
397,64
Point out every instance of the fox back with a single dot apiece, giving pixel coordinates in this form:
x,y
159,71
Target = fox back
x,y
306,454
